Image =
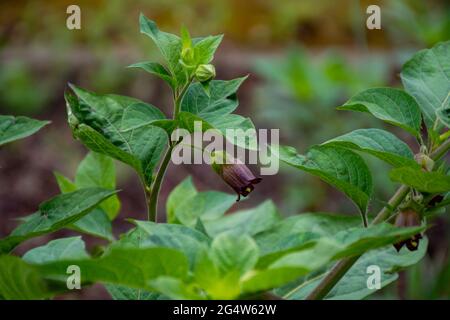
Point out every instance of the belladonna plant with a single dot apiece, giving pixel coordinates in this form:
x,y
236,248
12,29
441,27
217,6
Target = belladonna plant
x,y
202,253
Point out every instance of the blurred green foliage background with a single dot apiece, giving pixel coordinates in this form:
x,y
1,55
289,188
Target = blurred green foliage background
x,y
304,58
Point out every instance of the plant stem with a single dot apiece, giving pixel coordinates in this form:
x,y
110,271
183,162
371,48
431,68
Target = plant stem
x,y
152,193
342,266
152,200
178,99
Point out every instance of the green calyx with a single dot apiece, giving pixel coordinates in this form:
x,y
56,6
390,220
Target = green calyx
x,y
205,72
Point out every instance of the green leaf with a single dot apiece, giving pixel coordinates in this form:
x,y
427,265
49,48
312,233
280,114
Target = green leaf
x,y
341,168
204,48
379,143
64,183
214,111
300,231
251,221
426,76
388,104
345,243
14,128
130,267
222,99
217,284
433,182
20,281
232,252
354,283
157,69
95,223
98,170
111,125
443,113
208,205
59,249
168,44
119,292
149,234
179,194
176,289
55,214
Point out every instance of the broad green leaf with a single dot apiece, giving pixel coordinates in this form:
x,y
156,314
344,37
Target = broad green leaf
x,y
107,124
232,252
388,104
20,281
426,76
207,205
339,167
98,170
168,44
217,284
433,182
251,221
157,69
119,292
345,243
14,128
354,283
214,111
95,223
176,288
59,249
149,234
54,214
379,143
179,194
222,99
300,231
204,48
65,184
288,268
139,115
130,267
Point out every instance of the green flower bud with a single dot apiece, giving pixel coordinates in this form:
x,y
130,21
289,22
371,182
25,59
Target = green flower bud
x,y
187,56
236,174
205,72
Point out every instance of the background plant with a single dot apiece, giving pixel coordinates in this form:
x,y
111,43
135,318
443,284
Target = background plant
x,y
202,253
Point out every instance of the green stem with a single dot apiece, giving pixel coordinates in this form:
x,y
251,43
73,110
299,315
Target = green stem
x,y
342,266
153,193
178,99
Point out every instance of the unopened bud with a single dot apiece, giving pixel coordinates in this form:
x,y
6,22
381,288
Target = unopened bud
x,y
205,72
424,161
408,218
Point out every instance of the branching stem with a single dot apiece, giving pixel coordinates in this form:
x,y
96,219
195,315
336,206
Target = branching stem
x,y
342,266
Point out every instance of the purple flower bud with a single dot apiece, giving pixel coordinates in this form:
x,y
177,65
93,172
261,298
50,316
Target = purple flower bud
x,y
236,174
408,218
